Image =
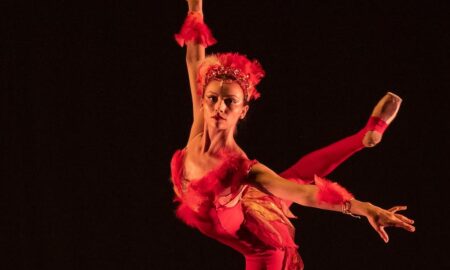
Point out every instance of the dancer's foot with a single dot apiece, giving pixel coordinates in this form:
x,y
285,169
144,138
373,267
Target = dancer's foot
x,y
382,115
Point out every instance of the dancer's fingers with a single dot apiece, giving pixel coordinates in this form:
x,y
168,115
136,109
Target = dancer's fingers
x,y
383,234
404,219
397,208
380,230
399,223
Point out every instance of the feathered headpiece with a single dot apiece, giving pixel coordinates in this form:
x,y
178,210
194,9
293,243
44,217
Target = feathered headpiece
x,y
231,66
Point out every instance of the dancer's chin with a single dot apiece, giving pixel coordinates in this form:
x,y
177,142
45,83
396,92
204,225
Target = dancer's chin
x,y
218,126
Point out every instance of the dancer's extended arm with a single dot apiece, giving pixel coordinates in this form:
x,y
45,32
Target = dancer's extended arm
x,y
311,195
196,36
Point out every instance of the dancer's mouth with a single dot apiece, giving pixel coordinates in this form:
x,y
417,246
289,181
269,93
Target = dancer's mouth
x,y
218,117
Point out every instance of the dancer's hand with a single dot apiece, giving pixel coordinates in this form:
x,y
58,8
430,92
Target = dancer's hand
x,y
380,218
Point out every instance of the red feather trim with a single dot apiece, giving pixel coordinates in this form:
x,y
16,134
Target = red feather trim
x,y
331,192
194,29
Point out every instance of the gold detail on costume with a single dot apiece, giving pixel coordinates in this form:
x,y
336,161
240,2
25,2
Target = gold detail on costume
x,y
264,204
265,209
232,199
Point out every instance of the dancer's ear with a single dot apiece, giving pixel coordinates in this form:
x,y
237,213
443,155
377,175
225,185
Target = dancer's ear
x,y
244,111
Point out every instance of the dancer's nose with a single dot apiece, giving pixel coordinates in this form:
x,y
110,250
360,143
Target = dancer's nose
x,y
220,105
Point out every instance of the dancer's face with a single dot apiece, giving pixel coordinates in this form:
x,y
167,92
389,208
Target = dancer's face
x,y
224,104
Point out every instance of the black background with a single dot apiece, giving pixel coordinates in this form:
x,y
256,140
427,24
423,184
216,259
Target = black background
x,y
95,100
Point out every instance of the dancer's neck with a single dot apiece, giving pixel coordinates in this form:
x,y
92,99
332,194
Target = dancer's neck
x,y
214,140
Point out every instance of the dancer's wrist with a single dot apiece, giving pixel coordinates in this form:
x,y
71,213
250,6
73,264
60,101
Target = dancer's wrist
x,y
196,14
360,208
195,6
194,30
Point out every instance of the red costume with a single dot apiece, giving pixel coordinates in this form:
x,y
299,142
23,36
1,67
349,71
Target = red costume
x,y
225,206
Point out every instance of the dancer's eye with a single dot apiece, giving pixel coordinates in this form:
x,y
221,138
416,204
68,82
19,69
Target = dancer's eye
x,y
229,101
212,99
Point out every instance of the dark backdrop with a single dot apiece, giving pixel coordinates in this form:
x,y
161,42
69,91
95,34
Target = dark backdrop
x,y
95,100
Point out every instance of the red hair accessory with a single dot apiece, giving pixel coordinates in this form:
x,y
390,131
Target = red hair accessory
x,y
194,29
231,66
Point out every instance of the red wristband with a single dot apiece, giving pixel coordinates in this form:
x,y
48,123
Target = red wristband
x,y
194,29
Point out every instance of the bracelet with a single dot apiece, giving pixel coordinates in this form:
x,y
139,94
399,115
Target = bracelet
x,y
346,206
195,13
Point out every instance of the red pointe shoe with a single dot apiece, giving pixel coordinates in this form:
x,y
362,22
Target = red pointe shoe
x,y
382,115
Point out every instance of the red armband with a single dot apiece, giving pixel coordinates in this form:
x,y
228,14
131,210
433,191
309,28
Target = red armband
x,y
194,29
331,192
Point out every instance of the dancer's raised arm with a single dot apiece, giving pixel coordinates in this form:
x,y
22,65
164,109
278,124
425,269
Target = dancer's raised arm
x,y
329,196
196,36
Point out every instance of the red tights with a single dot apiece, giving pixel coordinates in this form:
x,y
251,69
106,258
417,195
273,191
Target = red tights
x,y
323,161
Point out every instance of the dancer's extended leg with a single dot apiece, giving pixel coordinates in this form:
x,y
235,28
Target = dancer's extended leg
x,y
323,161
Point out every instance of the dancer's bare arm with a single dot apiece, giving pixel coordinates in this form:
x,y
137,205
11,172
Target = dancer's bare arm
x,y
195,54
306,195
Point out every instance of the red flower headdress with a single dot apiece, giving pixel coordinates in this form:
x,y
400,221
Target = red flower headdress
x,y
231,66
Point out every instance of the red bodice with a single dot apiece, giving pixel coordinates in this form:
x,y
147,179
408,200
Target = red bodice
x,y
225,206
